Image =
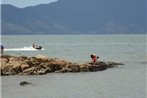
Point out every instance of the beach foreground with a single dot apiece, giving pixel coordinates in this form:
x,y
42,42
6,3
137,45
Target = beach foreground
x,y
23,65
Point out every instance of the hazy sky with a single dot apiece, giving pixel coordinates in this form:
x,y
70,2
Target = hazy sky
x,y
24,3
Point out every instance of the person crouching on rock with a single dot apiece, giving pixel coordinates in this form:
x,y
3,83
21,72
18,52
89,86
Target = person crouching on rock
x,y
94,58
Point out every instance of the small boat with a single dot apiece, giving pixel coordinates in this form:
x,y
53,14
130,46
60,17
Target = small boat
x,y
37,47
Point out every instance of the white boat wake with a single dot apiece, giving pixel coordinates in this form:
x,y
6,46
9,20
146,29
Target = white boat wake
x,y
23,49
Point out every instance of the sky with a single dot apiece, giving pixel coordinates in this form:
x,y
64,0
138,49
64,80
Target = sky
x,y
25,3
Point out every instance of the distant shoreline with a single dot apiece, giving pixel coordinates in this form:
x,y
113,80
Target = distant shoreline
x,y
72,34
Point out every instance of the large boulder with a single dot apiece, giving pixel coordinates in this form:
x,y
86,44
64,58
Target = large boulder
x,y
41,57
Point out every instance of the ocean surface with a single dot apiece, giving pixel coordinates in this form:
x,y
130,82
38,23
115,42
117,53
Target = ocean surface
x,y
124,81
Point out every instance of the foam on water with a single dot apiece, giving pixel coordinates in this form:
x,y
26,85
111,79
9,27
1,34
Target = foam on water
x,y
30,48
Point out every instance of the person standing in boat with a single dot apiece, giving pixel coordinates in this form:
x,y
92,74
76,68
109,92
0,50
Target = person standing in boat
x,y
33,45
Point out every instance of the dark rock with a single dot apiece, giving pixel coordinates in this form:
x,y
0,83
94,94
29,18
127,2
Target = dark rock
x,y
97,67
113,64
23,83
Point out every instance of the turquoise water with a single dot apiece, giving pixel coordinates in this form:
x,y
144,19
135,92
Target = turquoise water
x,y
126,81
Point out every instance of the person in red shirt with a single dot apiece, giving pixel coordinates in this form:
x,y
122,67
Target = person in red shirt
x,y
94,58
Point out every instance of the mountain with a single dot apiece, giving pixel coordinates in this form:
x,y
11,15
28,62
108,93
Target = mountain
x,y
76,17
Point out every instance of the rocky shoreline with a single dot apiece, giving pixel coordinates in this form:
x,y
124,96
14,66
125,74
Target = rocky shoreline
x,y
23,65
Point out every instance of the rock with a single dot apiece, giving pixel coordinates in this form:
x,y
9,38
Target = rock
x,y
24,66
97,67
4,61
41,57
23,83
43,71
111,64
39,65
84,68
30,71
73,67
17,69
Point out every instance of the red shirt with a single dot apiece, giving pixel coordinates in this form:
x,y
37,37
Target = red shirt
x,y
94,58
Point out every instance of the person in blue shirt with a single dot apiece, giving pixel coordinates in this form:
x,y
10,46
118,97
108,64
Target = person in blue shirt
x,y
2,49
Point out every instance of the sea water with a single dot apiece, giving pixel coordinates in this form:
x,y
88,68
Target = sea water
x,y
125,81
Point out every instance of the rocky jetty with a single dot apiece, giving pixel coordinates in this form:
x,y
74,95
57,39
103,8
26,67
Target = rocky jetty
x,y
22,65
